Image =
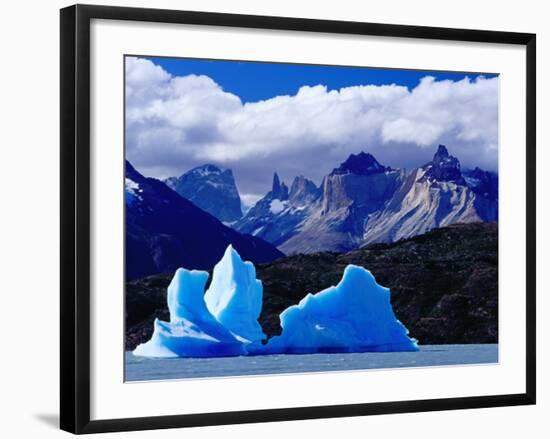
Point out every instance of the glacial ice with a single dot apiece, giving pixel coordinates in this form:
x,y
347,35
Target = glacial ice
x,y
235,296
192,330
354,316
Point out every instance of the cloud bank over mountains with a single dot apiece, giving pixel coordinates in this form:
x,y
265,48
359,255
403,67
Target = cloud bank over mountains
x,y
174,123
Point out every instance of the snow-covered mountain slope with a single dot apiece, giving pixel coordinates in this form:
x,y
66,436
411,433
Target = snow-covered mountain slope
x,y
362,201
212,189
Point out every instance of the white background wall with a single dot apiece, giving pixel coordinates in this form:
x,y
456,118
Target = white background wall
x,y
29,248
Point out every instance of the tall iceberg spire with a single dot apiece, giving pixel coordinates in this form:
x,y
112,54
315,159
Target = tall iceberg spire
x,y
192,330
235,296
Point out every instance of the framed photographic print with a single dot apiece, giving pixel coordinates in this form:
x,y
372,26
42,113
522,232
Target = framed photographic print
x,y
305,218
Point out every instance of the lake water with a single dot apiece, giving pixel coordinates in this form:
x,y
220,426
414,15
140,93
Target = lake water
x,y
145,369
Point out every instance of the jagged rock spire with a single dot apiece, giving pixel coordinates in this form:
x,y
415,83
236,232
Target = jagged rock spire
x,y
303,191
276,186
444,167
441,154
279,190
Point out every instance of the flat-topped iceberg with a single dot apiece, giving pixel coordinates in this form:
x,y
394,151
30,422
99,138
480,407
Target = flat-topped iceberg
x,y
235,296
354,316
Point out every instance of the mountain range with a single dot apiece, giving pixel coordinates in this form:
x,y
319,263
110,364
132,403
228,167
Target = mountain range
x,y
189,220
165,231
362,201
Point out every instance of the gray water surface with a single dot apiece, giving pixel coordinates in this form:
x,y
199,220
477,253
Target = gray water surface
x,y
144,369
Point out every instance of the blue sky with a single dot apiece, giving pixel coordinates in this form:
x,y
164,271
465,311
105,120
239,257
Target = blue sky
x,y
255,81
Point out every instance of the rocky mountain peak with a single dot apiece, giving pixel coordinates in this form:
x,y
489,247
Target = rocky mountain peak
x,y
441,153
208,169
444,167
302,191
278,190
359,164
211,188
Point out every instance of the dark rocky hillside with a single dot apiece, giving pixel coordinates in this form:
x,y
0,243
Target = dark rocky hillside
x,y
443,285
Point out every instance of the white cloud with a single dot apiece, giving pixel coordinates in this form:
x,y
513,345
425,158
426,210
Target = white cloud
x,y
174,123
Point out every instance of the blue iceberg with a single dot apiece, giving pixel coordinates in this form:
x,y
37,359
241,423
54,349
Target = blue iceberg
x,y
354,316
235,296
192,330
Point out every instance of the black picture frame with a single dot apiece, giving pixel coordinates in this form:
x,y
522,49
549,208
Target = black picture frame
x,y
75,217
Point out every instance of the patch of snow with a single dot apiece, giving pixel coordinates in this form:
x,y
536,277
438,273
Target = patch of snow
x,y
205,171
132,190
131,184
472,182
277,206
258,230
202,172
